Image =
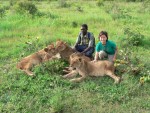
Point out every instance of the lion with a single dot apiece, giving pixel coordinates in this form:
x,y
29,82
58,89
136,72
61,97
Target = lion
x,y
66,51
85,68
43,55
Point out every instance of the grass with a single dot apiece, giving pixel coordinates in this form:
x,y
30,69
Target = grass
x,y
48,92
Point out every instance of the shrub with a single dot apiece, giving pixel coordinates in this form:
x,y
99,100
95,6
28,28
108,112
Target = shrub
x,y
26,7
117,12
79,9
128,55
74,24
133,38
2,12
145,6
129,62
51,67
12,2
62,3
132,0
100,3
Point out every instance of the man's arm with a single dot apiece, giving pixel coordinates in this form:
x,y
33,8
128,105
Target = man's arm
x,y
86,50
78,40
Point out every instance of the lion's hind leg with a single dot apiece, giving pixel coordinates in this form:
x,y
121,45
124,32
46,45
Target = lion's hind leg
x,y
112,75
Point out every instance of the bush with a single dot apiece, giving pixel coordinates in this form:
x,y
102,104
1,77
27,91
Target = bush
x,y
129,61
51,67
26,7
2,12
100,2
12,2
62,3
145,6
133,38
117,12
74,24
80,9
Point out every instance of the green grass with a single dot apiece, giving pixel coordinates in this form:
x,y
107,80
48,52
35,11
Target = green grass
x,y
48,92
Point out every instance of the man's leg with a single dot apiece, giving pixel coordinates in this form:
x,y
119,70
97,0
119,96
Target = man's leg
x,y
80,48
90,52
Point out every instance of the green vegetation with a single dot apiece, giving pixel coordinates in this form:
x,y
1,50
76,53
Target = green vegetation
x,y
28,26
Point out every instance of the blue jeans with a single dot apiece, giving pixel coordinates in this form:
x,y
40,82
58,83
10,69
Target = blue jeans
x,y
88,53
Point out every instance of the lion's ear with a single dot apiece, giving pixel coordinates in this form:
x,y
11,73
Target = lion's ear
x,y
58,41
46,49
65,43
61,42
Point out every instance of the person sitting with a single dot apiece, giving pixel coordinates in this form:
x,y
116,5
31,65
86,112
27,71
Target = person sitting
x,y
105,49
85,42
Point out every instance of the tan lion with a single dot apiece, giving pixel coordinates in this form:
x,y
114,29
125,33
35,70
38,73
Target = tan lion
x,y
85,68
66,51
36,58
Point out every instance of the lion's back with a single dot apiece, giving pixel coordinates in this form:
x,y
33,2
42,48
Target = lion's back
x,y
98,68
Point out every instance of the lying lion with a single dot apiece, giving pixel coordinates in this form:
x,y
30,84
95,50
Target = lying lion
x,y
65,51
86,68
36,58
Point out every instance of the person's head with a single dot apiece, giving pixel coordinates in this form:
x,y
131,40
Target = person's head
x,y
103,37
84,28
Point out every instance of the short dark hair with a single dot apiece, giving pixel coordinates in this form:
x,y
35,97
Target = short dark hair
x,y
85,26
103,33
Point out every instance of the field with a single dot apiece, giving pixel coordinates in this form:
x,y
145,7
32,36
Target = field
x,y
24,31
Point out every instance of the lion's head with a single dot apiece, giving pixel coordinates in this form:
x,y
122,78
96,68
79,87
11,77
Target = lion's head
x,y
50,49
76,62
79,55
60,45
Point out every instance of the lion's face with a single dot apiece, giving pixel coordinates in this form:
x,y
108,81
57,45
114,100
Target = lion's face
x,y
50,49
79,55
76,62
60,46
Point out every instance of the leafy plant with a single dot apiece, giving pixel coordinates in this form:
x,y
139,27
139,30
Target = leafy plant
x,y
100,2
26,7
2,12
79,8
63,3
133,38
144,79
74,24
